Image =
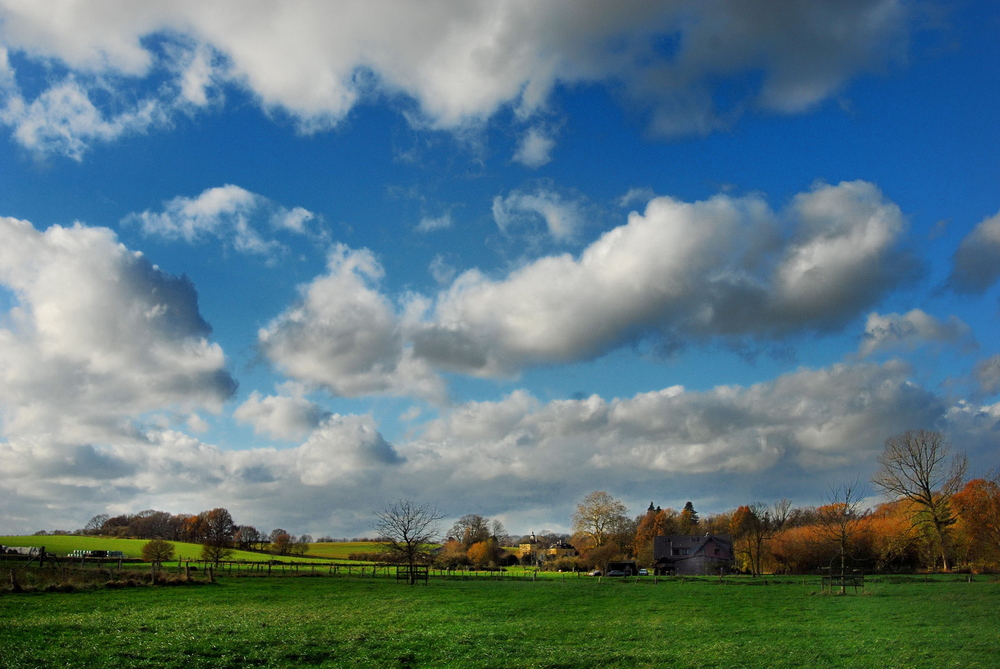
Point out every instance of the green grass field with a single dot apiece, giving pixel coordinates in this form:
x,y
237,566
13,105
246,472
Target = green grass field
x,y
351,622
340,550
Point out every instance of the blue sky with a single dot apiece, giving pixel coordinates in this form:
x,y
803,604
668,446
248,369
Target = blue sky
x,y
300,259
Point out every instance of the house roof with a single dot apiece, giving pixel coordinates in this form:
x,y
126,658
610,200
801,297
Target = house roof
x,y
695,544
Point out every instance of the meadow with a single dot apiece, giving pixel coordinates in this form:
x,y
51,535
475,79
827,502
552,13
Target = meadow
x,y
65,544
552,622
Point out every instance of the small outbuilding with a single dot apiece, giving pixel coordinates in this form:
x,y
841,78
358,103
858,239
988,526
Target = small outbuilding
x,y
686,555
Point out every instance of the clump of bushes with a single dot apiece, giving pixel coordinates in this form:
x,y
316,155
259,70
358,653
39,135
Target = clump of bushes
x,y
74,580
564,564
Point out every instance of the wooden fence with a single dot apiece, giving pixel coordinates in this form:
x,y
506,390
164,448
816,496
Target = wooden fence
x,y
117,568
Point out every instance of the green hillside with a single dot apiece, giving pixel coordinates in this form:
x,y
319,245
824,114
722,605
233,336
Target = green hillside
x,y
340,550
65,544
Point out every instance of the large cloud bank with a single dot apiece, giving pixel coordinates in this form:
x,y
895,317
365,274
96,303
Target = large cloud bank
x,y
517,454
450,62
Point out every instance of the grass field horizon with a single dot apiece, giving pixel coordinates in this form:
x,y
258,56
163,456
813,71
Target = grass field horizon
x,y
341,622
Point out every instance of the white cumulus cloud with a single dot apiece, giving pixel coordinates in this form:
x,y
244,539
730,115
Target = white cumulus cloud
x,y
345,336
280,416
97,336
433,223
226,212
725,267
534,149
562,215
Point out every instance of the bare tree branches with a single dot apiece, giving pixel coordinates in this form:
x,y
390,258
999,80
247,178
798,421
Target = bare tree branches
x,y
405,529
915,466
842,520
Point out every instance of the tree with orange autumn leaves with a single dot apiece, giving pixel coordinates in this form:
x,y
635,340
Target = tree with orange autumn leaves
x,y
487,553
655,523
842,535
978,507
942,525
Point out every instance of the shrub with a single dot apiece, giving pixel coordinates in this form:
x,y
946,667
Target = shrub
x,y
157,550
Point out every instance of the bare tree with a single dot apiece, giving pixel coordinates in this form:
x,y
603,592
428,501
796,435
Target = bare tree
x,y
781,512
471,528
915,466
841,520
596,515
406,528
96,524
499,532
301,545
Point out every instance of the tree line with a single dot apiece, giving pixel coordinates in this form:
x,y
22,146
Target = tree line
x,y
215,530
934,519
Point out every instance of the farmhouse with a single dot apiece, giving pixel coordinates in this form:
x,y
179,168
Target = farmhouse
x,y
537,551
529,547
693,555
561,549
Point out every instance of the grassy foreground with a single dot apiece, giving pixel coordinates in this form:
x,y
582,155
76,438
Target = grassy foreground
x,y
344,622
